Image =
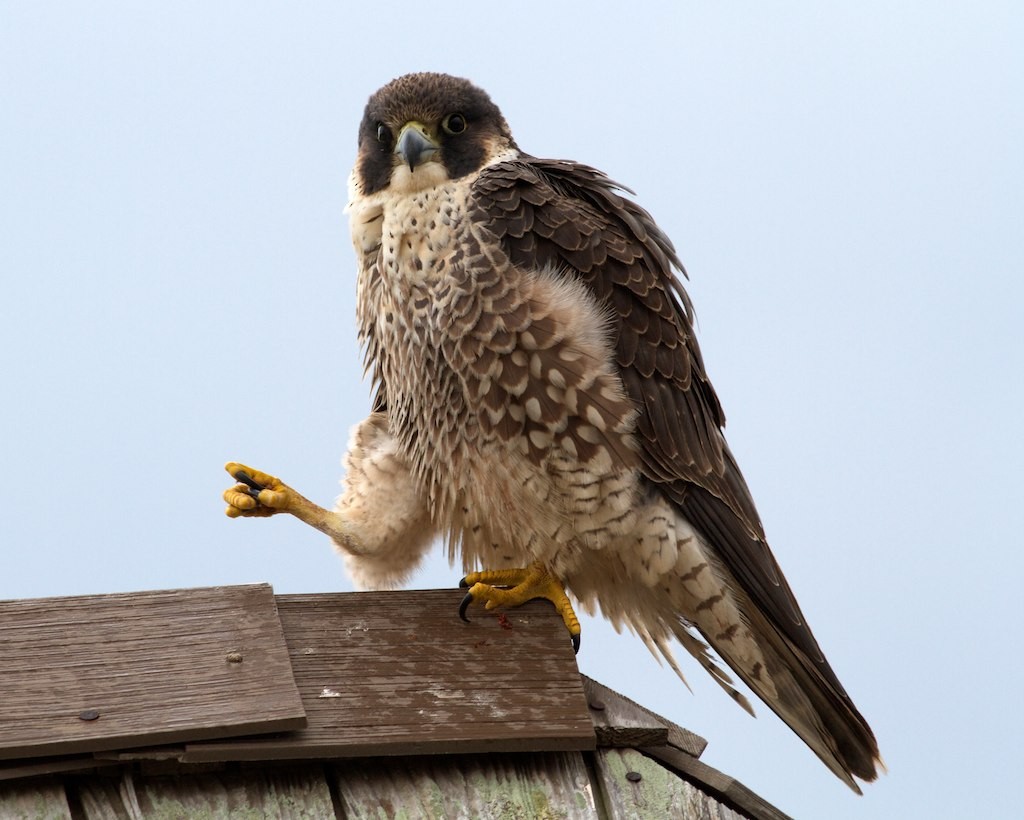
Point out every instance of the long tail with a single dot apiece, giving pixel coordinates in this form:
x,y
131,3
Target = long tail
x,y
818,710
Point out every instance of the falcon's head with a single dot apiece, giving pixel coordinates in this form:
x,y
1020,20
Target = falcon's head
x,y
422,130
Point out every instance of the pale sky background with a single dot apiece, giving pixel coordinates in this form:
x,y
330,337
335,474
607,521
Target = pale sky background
x,y
842,180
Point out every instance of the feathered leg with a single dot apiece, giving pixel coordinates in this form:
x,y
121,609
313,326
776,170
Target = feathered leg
x,y
381,525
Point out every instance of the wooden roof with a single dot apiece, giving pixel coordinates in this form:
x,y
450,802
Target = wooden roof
x,y
232,701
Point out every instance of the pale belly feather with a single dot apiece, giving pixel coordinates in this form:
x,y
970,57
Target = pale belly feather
x,y
503,399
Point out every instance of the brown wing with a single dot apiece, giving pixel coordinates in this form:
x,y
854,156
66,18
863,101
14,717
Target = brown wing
x,y
550,213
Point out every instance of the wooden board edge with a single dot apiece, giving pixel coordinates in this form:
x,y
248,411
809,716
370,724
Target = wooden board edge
x,y
722,786
126,742
326,750
676,736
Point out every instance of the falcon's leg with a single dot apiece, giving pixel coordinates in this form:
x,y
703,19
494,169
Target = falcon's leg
x,y
259,494
514,587
381,525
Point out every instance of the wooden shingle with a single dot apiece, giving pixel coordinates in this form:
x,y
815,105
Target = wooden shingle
x,y
397,673
94,672
197,697
624,722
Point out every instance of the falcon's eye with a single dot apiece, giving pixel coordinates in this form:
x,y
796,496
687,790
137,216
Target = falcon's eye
x,y
383,134
454,124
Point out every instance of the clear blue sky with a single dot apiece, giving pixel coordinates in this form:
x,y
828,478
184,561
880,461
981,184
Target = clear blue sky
x,y
842,180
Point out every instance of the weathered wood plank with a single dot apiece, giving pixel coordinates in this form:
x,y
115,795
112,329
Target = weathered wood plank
x,y
34,800
112,671
397,673
285,793
53,765
489,787
618,721
714,782
637,788
627,709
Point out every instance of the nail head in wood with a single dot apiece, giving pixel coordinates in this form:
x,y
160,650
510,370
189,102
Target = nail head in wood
x,y
634,777
89,714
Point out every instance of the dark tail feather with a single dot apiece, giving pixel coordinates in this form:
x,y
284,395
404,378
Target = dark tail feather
x,y
820,713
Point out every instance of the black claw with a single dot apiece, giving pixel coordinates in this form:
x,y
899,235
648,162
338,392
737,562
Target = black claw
x,y
576,644
253,485
464,606
463,584
245,478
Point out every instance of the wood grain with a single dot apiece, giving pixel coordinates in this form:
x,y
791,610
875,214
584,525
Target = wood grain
x,y
34,800
489,787
397,673
411,712
638,788
714,782
261,793
618,721
100,672
633,719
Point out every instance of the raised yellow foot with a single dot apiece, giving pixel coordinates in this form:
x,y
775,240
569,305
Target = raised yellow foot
x,y
258,494
514,587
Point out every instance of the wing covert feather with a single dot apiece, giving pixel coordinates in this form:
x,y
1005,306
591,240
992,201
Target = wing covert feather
x,y
562,215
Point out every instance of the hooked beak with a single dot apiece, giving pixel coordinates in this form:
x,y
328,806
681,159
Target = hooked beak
x,y
415,145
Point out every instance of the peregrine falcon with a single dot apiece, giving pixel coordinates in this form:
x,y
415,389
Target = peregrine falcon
x,y
541,402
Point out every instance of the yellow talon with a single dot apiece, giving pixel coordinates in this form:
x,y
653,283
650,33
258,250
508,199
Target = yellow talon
x,y
514,587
